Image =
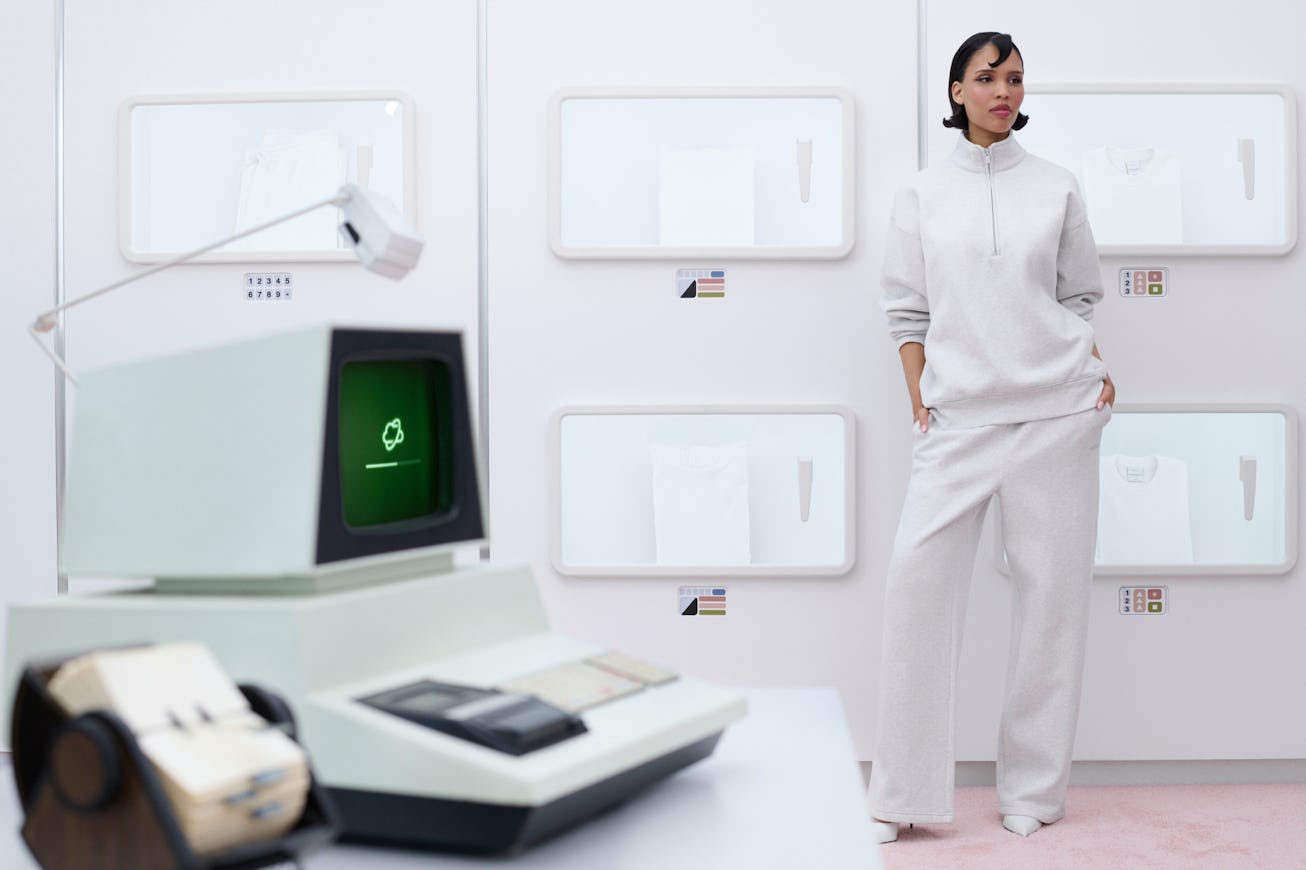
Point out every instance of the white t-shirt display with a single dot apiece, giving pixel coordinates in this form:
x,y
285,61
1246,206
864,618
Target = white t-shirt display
x,y
1134,195
287,171
1143,511
700,504
705,197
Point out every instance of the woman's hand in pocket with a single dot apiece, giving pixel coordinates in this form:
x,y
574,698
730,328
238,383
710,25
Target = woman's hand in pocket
x,y
1108,394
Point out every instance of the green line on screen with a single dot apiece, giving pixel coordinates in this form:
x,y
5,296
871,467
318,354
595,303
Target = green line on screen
x,y
392,464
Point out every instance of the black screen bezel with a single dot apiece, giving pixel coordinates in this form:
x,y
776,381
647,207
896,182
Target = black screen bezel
x,y
336,539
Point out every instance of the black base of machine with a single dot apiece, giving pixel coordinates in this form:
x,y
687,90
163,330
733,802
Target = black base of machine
x,y
465,826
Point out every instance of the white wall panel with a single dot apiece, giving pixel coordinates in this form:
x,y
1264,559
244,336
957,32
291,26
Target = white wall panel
x,y
566,332
27,247
424,50
1217,677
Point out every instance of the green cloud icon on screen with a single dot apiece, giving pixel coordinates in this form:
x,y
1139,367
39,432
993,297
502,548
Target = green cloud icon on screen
x,y
393,434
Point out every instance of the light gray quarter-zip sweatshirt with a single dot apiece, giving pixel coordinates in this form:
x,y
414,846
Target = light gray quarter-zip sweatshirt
x,y
991,265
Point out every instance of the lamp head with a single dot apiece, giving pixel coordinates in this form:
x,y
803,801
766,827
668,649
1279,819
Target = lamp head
x,y
381,237
380,234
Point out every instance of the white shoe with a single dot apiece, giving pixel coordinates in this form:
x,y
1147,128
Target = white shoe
x,y
1023,825
884,832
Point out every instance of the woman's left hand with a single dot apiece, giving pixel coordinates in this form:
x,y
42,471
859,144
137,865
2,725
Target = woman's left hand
x,y
1108,394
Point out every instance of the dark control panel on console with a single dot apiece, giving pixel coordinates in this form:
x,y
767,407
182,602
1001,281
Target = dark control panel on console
x,y
506,721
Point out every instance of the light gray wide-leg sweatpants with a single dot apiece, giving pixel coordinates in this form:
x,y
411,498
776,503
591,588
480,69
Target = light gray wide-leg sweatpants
x,y
1045,474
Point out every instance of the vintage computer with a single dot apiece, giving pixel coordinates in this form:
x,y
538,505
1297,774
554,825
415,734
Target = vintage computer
x,y
297,500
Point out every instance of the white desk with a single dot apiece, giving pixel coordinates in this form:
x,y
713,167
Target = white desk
x,y
781,791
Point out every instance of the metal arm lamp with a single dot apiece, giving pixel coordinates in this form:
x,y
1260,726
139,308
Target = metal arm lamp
x,y
378,232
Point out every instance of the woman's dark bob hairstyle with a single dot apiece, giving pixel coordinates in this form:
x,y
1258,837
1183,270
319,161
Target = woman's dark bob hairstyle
x,y
1002,42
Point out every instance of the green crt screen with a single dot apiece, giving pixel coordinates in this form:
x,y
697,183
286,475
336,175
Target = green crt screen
x,y
396,432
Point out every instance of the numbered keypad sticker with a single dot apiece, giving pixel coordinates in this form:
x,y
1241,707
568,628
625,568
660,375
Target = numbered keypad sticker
x,y
268,287
1143,600
1151,281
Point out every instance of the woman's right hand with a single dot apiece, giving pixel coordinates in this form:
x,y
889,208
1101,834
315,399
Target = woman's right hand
x,y
913,364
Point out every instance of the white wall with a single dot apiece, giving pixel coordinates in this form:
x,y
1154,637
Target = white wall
x,y
27,249
1216,678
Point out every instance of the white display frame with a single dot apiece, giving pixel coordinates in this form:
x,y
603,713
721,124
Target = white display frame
x,y
849,529
661,252
1290,172
1223,570
126,158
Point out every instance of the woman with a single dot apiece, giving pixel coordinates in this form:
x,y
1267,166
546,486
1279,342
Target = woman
x,y
990,278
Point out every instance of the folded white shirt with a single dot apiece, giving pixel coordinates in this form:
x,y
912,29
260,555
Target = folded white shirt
x,y
700,504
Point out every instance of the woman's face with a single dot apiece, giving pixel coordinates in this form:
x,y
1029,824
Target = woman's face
x,y
991,95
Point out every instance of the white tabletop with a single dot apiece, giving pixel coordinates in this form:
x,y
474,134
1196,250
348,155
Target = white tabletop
x,y
782,790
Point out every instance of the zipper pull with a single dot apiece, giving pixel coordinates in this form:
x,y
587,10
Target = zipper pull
x,y
993,202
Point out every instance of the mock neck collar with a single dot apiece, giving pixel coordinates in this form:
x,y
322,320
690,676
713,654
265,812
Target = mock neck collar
x,y
1003,154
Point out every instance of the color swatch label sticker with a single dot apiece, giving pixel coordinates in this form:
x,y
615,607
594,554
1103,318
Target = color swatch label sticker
x,y
701,283
1143,600
1150,281
702,601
